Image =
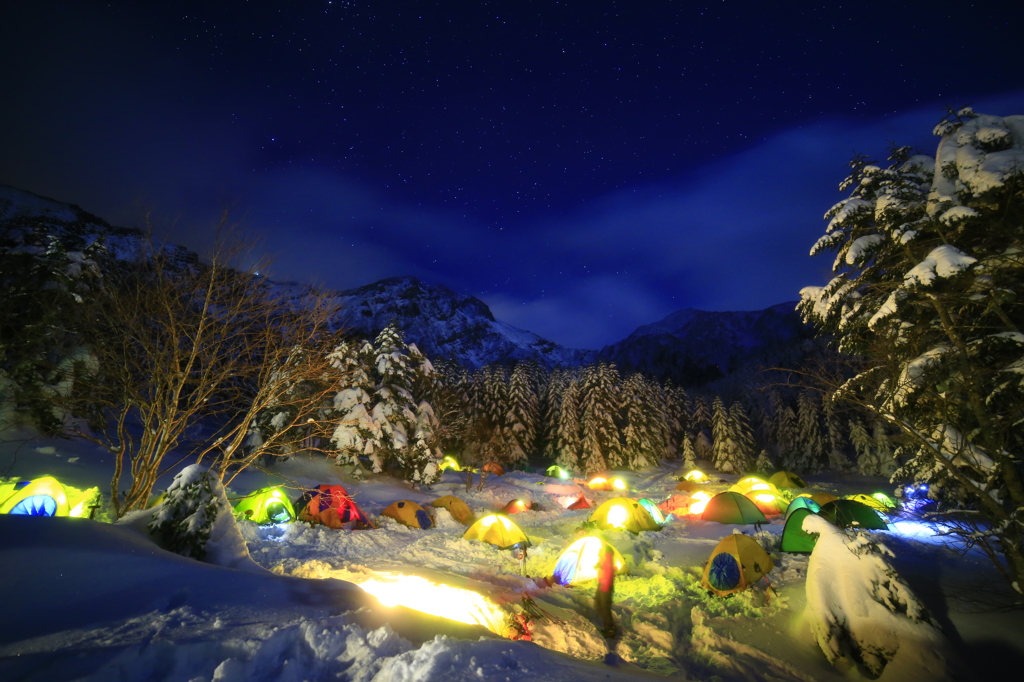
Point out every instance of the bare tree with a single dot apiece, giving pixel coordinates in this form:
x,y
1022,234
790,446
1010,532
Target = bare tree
x,y
179,345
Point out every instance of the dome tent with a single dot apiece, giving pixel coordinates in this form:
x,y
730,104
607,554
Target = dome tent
x,y
847,513
578,562
653,510
46,496
459,510
331,506
753,483
767,501
517,505
555,471
736,563
786,479
408,513
795,539
869,501
802,503
820,497
498,530
731,507
622,513
266,506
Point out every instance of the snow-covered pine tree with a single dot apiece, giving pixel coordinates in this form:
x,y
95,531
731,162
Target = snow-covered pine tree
x,y
928,260
700,418
736,455
551,407
601,448
522,416
885,456
835,443
763,464
782,430
864,447
643,435
702,446
357,433
569,441
183,522
689,456
808,454
719,432
675,400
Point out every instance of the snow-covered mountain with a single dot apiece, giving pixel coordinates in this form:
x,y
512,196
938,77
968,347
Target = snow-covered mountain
x,y
693,347
444,324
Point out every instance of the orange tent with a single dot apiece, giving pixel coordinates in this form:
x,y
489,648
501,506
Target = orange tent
x,y
331,506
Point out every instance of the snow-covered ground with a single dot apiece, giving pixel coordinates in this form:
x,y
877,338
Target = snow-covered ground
x,y
88,600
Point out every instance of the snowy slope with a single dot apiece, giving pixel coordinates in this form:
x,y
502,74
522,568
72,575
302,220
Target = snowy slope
x,y
695,346
444,324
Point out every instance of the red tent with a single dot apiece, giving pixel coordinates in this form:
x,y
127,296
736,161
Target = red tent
x,y
331,506
581,503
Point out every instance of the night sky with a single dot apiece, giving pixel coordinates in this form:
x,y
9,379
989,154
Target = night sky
x,y
583,167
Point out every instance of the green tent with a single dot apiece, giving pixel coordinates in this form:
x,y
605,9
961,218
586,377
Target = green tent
x,y
802,503
794,538
731,507
653,510
46,496
555,471
847,513
266,506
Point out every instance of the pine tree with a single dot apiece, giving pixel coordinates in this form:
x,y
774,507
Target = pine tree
x,y
643,435
522,415
184,521
600,448
702,446
689,456
551,407
809,452
700,420
864,446
782,430
764,463
834,440
719,432
569,435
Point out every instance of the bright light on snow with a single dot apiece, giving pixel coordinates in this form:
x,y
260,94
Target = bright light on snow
x,y
445,601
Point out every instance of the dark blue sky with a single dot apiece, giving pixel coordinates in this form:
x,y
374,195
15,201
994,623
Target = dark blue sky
x,y
584,167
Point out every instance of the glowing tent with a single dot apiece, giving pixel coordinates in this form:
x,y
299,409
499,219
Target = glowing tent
x,y
449,462
46,496
730,507
494,468
688,486
847,513
794,538
578,562
498,530
581,503
516,506
459,510
408,513
767,501
695,475
752,483
622,513
885,500
266,506
331,506
676,503
555,471
736,563
786,479
802,503
820,497
869,501
606,483
653,510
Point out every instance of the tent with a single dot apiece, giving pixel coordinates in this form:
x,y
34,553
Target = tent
x,y
449,462
802,503
730,507
688,486
459,510
581,503
736,563
494,468
578,562
517,505
869,501
786,479
331,506
498,530
653,510
266,506
555,471
767,501
695,475
409,513
794,538
751,483
846,513
46,496
674,503
607,483
624,514
819,497
885,500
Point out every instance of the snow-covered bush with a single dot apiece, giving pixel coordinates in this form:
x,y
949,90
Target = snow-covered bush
x,y
860,610
183,522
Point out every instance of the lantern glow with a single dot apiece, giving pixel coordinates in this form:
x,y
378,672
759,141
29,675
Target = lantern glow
x,y
420,594
701,500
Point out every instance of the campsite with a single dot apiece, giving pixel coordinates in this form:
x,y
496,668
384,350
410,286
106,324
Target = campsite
x,y
446,577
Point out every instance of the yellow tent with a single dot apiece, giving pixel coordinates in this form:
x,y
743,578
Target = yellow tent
x,y
736,563
870,501
459,510
46,496
787,479
623,513
753,484
409,514
498,530
767,501
578,562
821,498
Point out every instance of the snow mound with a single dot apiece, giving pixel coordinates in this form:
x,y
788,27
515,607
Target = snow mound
x,y
860,611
